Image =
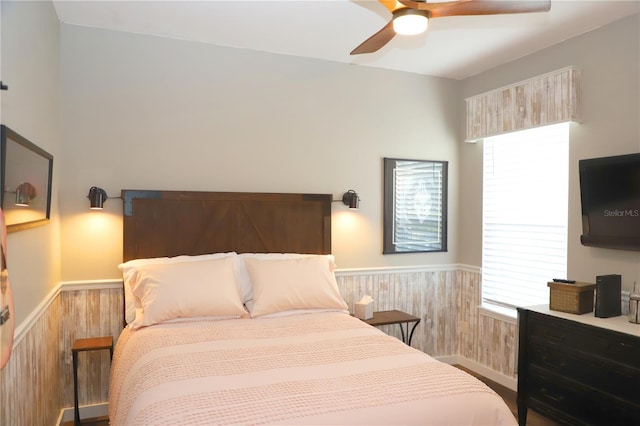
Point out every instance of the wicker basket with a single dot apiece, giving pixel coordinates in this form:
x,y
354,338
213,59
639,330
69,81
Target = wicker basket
x,y
572,298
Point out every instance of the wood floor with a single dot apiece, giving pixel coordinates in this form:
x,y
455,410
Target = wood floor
x,y
509,396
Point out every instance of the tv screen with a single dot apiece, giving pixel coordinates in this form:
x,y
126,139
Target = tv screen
x,y
610,196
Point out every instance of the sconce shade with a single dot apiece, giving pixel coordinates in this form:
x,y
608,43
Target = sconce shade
x,y
25,192
97,197
351,199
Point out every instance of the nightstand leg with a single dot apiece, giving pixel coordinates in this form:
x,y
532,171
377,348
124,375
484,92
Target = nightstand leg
x,y
412,330
402,331
406,337
76,410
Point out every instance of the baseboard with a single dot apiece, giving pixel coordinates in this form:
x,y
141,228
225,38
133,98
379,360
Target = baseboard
x,y
86,412
482,370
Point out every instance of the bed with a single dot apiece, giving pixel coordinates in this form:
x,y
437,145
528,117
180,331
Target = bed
x,y
234,317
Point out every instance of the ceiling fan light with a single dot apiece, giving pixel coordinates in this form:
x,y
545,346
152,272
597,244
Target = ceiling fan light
x,y
410,24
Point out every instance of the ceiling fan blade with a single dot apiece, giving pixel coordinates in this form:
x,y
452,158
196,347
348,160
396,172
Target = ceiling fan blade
x,y
376,41
491,7
391,5
423,5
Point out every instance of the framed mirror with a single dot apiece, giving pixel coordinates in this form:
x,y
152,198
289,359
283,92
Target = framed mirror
x,y
415,206
25,178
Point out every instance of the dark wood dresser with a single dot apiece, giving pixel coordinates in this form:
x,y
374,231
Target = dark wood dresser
x,y
578,369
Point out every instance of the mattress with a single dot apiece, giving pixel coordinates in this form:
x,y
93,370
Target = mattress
x,y
317,368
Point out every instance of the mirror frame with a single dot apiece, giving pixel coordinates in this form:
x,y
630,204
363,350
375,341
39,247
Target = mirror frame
x,y
8,137
391,203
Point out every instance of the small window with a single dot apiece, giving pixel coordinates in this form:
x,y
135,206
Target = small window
x,y
525,204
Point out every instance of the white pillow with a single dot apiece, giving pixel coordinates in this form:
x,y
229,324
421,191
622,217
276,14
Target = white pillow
x,y
295,283
245,280
130,269
168,291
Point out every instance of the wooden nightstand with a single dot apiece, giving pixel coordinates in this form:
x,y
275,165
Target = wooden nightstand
x,y
395,317
81,345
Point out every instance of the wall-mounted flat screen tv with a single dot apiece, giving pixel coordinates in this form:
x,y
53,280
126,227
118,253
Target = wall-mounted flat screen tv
x,y
610,196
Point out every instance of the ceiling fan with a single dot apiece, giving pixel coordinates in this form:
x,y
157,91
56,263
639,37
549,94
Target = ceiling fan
x,y
412,16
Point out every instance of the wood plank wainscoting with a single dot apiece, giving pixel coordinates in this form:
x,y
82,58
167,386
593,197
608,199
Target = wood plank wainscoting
x,y
444,297
89,313
30,382
37,383
431,295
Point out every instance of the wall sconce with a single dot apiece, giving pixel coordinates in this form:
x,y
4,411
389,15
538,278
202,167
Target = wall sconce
x,y
97,197
25,192
351,199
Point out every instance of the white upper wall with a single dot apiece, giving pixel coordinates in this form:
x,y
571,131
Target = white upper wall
x,y
144,112
609,58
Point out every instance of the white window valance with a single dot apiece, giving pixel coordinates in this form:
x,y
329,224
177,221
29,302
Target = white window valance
x,y
546,99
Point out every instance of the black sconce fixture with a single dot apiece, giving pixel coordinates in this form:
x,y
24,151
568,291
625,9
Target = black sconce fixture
x,y
97,197
351,199
25,192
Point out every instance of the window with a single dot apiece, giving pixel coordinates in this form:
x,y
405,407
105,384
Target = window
x,y
525,203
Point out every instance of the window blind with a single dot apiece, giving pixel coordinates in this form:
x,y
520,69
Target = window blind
x,y
525,203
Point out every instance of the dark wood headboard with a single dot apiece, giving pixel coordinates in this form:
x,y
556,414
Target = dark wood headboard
x,y
171,223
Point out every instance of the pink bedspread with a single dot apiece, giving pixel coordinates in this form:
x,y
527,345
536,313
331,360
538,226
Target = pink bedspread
x,y
325,368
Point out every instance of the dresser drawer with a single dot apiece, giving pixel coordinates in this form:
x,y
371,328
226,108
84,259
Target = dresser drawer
x,y
620,348
591,371
562,334
576,371
575,403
